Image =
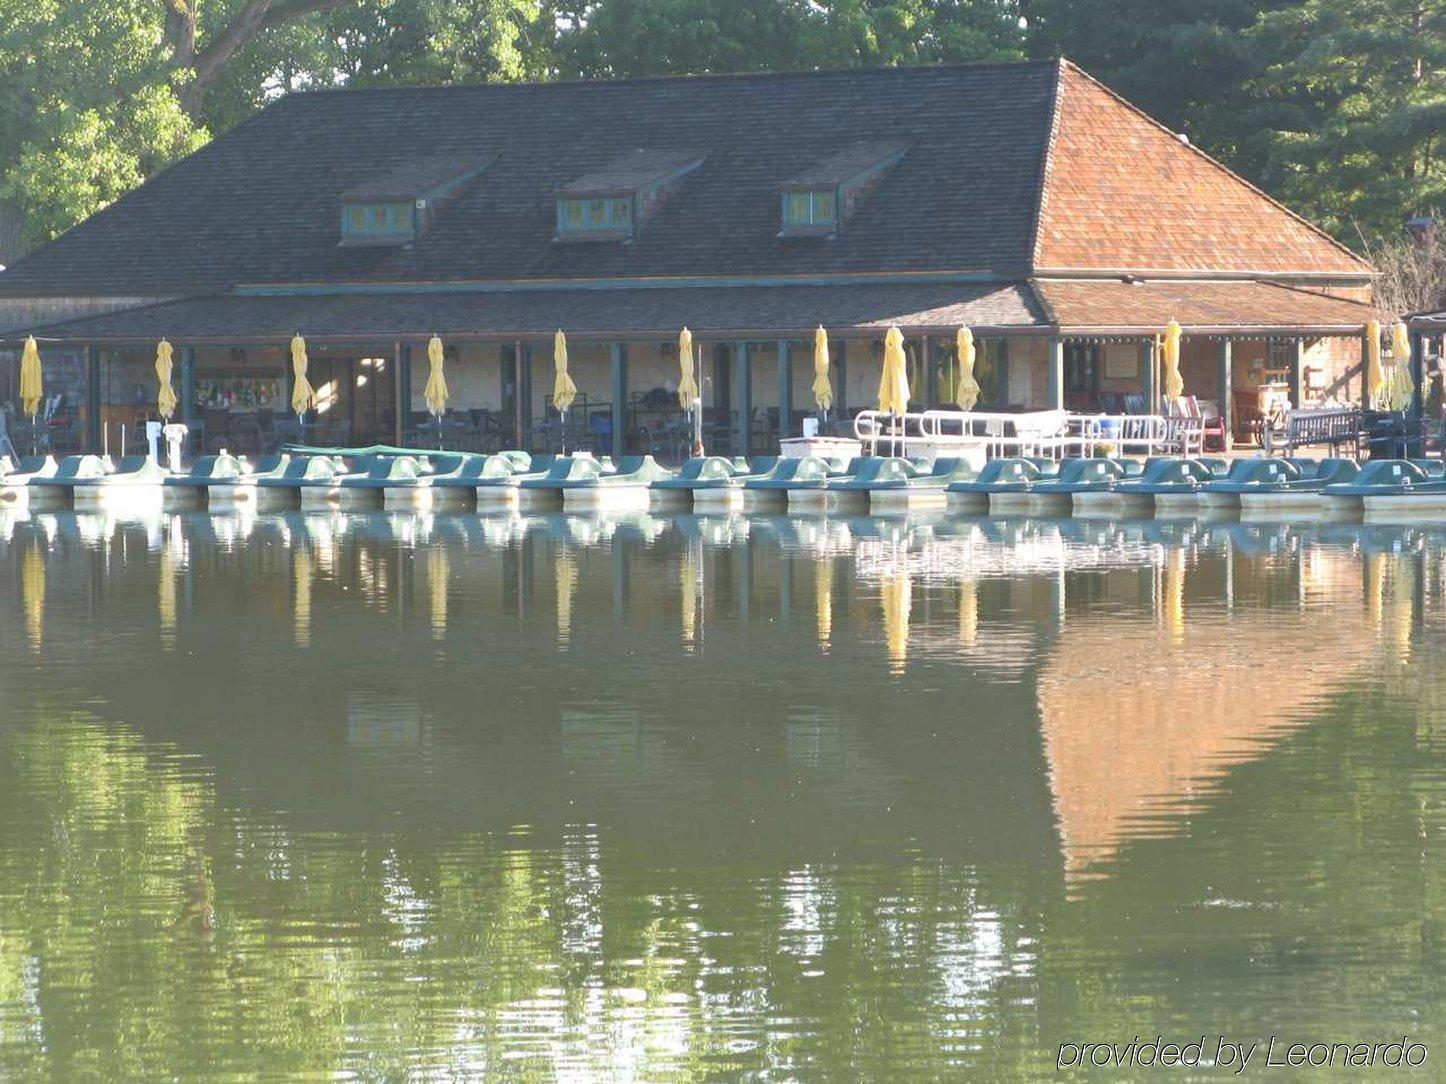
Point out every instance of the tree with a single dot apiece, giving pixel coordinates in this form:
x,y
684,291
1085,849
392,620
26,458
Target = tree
x,y
653,37
1351,109
96,97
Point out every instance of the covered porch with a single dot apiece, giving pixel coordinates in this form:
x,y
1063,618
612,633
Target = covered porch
x,y
1087,346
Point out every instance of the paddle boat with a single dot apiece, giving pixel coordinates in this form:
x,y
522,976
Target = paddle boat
x,y
888,485
274,485
56,489
1008,478
455,489
1293,489
677,492
1344,502
627,488
1388,491
499,488
1056,496
365,489
137,483
544,492
772,491
189,492
715,483
1169,478
15,481
815,494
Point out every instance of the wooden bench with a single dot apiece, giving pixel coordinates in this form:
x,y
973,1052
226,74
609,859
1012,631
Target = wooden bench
x,y
1303,428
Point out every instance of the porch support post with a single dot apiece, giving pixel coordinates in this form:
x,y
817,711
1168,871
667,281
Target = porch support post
x,y
92,400
841,363
1225,381
1418,374
1365,374
620,397
1296,376
931,378
785,386
404,387
743,370
1056,373
1001,390
524,383
188,385
1147,383
399,420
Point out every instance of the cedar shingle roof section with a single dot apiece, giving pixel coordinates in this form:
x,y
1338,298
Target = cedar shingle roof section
x,y
417,178
258,204
1123,193
761,311
848,164
632,171
1081,305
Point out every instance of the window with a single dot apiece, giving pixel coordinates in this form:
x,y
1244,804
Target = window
x,y
1081,360
810,208
377,220
595,214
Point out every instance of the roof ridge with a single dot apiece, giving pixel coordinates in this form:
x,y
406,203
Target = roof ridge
x,y
682,77
1046,163
1065,63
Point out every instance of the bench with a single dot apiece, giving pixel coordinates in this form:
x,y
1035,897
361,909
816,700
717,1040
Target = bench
x,y
1303,428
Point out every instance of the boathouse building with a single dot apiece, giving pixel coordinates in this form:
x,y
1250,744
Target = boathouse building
x,y
1025,201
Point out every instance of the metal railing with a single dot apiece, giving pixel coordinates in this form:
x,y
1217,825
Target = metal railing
x,y
1051,434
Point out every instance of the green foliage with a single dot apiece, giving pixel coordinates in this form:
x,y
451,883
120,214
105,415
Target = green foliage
x,y
1335,106
1353,109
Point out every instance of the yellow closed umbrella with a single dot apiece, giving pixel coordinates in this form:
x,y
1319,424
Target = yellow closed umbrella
x,y
32,379
1403,387
822,389
1375,378
894,380
687,382
1174,382
564,391
302,395
436,393
966,392
166,397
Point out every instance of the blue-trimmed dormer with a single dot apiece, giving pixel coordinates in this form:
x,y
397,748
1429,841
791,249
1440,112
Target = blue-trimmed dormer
x,y
610,204
398,206
816,202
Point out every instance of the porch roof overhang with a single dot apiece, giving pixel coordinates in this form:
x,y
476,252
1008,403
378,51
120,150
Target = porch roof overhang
x,y
1427,322
606,314
1202,307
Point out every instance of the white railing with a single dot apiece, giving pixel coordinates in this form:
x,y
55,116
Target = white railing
x,y
1051,434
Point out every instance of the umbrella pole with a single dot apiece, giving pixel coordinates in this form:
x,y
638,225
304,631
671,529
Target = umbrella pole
x,y
563,415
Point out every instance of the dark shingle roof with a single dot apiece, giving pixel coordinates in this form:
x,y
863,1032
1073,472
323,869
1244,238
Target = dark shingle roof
x,y
416,178
633,170
259,204
660,312
846,164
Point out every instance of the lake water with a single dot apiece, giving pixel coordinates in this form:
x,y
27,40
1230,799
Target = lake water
x,y
667,798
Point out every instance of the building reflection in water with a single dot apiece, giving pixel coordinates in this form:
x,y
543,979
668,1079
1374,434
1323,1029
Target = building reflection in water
x,y
591,854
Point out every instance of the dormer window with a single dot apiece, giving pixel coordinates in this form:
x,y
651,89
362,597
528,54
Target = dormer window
x,y
810,209
613,214
819,200
380,221
397,207
613,202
